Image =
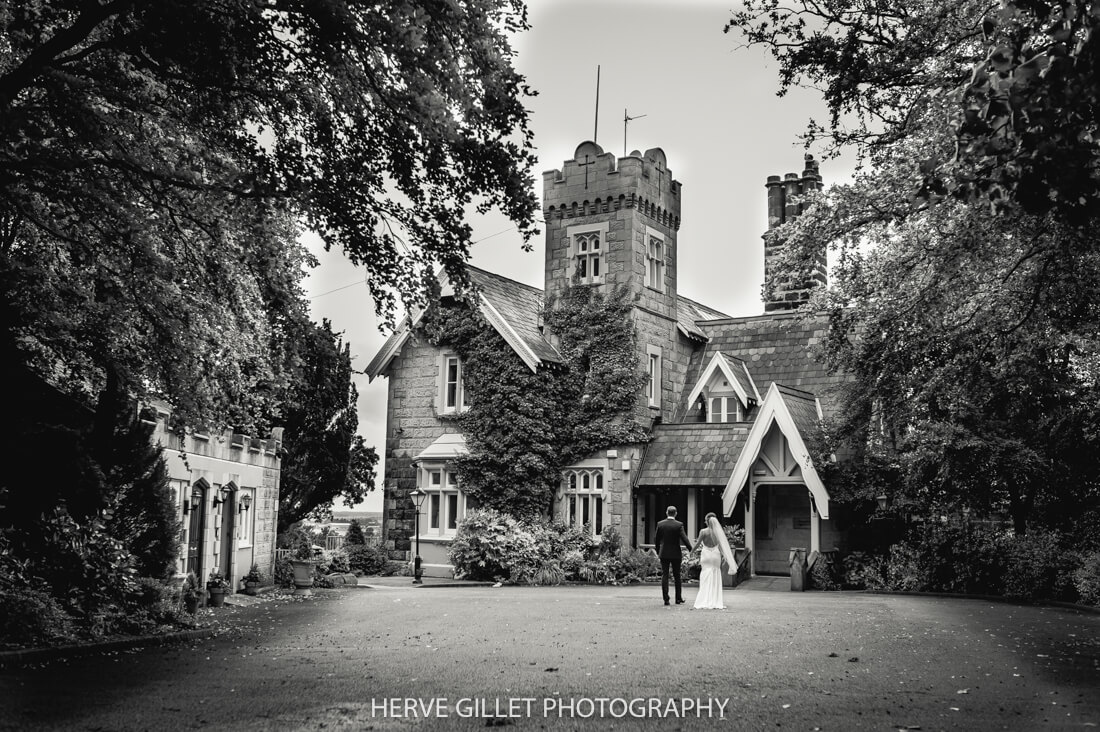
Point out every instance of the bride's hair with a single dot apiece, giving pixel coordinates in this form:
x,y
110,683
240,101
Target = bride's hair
x,y
710,516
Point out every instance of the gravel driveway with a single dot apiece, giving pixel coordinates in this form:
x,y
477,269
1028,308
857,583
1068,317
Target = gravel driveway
x,y
592,657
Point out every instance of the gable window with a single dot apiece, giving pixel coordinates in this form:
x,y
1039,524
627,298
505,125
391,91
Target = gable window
x,y
453,398
724,409
653,376
445,506
655,262
583,499
588,245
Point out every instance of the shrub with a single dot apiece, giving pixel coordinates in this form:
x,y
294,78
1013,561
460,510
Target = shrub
x,y
1087,579
1038,568
491,545
639,565
366,559
550,573
824,574
338,563
948,557
151,605
284,572
855,568
31,617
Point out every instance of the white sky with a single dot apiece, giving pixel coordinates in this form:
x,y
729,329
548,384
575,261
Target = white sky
x,y
711,106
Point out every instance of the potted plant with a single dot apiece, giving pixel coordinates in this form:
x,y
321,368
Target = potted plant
x,y
217,587
302,563
252,580
190,593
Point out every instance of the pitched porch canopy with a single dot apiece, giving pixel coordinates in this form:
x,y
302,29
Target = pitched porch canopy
x,y
795,413
444,448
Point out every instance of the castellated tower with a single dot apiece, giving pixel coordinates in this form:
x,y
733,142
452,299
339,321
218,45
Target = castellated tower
x,y
782,207
612,222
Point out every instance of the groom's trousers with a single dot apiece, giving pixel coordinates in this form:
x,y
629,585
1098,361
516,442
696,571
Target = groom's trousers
x,y
674,565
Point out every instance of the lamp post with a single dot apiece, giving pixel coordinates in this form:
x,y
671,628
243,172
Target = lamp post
x,y
418,497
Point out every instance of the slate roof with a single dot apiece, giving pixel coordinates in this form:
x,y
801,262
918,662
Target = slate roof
x,y
741,373
519,305
689,313
803,409
777,348
692,454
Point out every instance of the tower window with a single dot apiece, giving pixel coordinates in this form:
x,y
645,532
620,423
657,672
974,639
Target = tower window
x,y
588,250
655,263
653,374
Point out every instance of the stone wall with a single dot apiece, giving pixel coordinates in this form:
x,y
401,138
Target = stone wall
x,y
413,422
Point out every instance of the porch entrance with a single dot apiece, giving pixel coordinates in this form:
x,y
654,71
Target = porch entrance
x,y
195,530
781,520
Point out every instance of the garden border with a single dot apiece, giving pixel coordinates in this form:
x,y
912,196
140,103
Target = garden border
x,y
987,598
27,656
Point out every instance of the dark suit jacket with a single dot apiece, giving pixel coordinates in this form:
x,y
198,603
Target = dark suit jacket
x,y
670,533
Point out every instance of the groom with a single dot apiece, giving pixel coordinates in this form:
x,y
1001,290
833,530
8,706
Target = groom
x,y
670,533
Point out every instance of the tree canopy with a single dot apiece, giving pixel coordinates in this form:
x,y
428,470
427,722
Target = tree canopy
x,y
155,158
1016,82
964,274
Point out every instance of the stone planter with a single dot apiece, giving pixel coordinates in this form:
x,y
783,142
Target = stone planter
x,y
251,588
303,576
216,596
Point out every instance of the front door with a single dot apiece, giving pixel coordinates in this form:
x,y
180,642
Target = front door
x,y
195,531
229,513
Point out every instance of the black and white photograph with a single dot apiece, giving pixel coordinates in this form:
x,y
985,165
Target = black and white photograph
x,y
560,364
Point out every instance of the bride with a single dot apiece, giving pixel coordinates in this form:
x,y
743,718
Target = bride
x,y
714,549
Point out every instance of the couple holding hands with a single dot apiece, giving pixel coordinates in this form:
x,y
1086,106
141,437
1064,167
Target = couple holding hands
x,y
714,549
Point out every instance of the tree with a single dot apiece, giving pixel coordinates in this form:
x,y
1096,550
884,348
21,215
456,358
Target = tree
x,y
153,158
968,328
323,459
355,534
1019,77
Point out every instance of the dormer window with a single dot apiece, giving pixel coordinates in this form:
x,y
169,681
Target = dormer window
x,y
724,408
588,245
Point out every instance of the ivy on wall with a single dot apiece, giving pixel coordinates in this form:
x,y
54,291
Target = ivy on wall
x,y
522,427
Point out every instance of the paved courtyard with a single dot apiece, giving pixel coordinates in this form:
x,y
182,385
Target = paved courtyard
x,y
398,657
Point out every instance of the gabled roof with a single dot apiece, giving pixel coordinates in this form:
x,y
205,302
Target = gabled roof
x,y
737,374
795,412
516,307
692,454
510,307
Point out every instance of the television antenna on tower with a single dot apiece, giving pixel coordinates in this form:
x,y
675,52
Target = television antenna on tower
x,y
628,118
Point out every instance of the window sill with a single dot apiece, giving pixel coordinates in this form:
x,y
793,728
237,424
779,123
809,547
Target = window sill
x,y
436,538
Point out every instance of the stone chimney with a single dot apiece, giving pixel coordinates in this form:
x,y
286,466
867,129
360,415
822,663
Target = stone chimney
x,y
782,207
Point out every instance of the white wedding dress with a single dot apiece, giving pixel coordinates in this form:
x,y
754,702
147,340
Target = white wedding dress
x,y
710,579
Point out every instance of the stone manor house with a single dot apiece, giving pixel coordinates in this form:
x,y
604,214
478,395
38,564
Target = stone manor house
x,y
730,401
